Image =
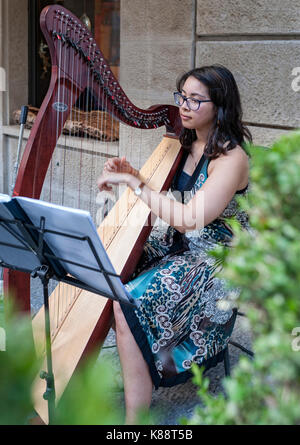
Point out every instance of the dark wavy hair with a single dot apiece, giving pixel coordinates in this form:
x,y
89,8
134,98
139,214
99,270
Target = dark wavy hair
x,y
228,125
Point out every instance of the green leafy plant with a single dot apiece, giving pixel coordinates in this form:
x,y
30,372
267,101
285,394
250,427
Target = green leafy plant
x,y
90,399
265,265
18,367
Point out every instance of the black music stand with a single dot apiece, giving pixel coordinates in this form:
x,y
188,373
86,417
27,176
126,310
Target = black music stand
x,y
30,248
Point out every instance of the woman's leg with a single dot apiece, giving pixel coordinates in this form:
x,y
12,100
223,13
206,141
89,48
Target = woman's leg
x,y
137,380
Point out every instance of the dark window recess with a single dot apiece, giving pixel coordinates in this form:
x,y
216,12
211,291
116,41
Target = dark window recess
x,y
104,19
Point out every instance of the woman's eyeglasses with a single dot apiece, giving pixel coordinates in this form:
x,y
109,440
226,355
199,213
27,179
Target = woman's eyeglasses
x,y
192,104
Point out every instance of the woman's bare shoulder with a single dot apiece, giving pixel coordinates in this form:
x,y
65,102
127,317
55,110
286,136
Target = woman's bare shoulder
x,y
236,156
237,153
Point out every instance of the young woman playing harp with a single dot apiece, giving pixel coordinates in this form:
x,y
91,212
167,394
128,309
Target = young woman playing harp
x,y
180,319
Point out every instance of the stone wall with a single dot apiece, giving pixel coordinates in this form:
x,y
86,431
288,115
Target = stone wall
x,y
259,41
14,59
156,46
14,40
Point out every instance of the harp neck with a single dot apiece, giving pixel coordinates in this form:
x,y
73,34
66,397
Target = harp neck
x,y
77,64
69,40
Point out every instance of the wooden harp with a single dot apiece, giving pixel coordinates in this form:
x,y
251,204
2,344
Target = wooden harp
x,y
77,65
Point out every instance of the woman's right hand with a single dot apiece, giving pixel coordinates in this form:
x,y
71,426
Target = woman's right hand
x,y
119,165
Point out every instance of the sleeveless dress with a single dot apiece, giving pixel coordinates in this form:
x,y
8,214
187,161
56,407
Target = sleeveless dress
x,y
181,319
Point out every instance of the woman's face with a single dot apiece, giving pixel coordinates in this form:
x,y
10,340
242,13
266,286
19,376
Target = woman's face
x,y
205,115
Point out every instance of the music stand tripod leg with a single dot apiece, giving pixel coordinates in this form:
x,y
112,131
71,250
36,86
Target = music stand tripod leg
x,y
44,275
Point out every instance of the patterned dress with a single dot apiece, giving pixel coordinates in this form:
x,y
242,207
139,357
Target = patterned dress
x,y
181,318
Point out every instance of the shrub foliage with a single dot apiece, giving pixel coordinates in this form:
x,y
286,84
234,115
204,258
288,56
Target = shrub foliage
x,y
265,265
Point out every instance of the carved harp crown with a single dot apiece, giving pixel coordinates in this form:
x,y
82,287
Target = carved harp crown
x,y
77,65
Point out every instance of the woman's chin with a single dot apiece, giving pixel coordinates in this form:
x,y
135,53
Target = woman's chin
x,y
187,124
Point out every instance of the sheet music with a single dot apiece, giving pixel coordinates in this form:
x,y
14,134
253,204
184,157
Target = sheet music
x,y
76,223
22,259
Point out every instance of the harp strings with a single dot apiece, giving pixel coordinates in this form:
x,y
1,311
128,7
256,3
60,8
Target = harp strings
x,y
64,295
65,101
90,107
56,300
73,153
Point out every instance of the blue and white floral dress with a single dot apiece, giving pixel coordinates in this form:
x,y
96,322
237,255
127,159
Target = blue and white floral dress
x,y
180,319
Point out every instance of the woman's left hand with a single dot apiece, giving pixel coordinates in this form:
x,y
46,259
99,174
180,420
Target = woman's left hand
x,y
107,179
119,165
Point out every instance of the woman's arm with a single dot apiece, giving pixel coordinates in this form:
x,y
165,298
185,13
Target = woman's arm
x,y
207,204
221,185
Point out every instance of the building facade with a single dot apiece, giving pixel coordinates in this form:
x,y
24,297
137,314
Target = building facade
x,y
259,41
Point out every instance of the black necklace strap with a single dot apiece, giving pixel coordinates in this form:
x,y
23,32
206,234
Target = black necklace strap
x,y
196,173
174,185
